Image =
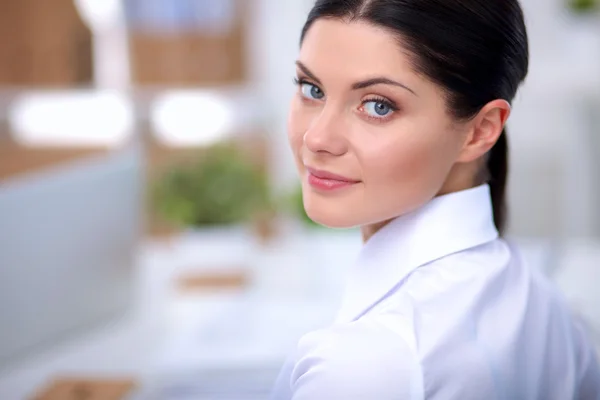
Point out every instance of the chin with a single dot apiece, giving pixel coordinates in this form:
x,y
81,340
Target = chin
x,y
338,211
336,219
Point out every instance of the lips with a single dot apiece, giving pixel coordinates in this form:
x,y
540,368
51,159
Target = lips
x,y
325,181
325,175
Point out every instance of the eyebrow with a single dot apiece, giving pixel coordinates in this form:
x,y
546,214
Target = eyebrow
x,y
358,85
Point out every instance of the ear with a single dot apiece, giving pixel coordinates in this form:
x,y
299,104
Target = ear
x,y
484,130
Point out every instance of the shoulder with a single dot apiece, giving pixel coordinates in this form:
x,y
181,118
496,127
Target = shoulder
x,y
357,360
467,271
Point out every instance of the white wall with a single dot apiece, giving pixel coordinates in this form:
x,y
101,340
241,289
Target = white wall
x,y
554,184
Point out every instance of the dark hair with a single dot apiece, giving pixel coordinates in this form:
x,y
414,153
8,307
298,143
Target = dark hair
x,y
475,49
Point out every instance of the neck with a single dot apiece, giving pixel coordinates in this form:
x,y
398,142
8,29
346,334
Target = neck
x,y
461,178
369,230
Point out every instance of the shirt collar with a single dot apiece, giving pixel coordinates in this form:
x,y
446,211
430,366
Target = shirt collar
x,y
447,224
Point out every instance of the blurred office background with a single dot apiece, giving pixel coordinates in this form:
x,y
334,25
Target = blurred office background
x,y
152,240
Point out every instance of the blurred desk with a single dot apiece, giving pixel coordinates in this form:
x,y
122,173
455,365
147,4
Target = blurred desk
x,y
170,336
128,346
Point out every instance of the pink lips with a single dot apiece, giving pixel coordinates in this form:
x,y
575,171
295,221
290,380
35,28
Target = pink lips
x,y
328,181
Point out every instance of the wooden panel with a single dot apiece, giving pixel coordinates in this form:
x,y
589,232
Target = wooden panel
x,y
43,43
186,58
17,160
198,282
88,389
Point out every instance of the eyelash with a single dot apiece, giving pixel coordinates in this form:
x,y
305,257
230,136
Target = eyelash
x,y
302,81
378,99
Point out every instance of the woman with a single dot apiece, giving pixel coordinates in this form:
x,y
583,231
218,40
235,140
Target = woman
x,y
398,127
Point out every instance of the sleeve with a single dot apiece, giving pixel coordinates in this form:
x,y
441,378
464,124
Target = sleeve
x,y
588,368
359,360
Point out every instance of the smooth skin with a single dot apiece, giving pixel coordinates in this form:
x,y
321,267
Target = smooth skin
x,y
361,111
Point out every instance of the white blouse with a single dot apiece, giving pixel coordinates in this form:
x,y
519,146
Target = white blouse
x,y
439,307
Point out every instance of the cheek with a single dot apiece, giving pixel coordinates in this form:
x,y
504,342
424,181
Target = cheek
x,y
406,170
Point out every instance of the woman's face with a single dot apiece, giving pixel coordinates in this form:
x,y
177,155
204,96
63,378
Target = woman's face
x,y
371,137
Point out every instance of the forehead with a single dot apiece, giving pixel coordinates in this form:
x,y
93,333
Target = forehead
x,y
354,49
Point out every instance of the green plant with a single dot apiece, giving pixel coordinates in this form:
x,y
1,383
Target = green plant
x,y
583,6
221,187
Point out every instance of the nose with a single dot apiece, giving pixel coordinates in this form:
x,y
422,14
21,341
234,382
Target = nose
x,y
325,134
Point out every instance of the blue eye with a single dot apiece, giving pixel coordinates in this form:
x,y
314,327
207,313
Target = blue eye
x,y
377,108
311,91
